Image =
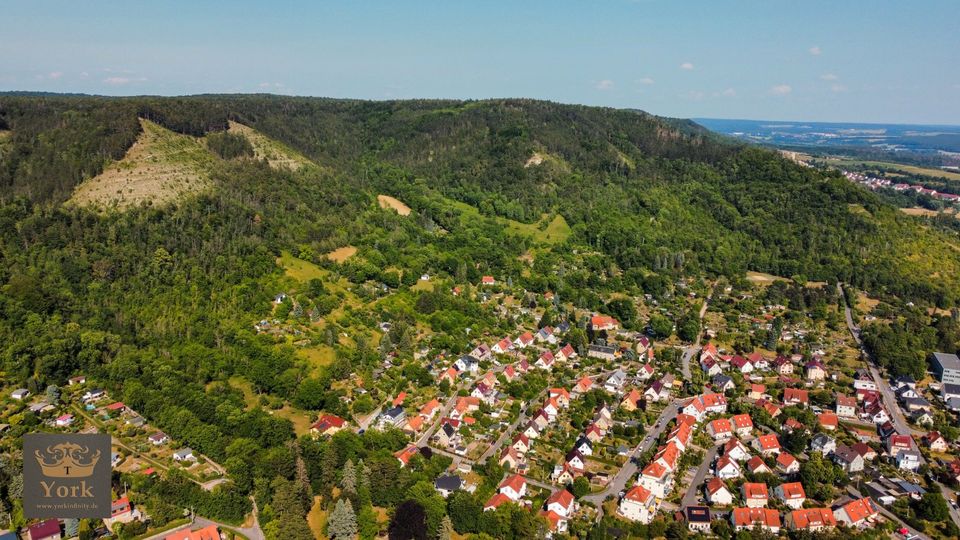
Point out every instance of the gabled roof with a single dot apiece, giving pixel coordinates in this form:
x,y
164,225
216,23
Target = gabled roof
x,y
746,517
795,395
638,494
785,459
755,490
859,509
497,500
741,421
714,485
756,463
793,491
768,442
562,497
514,482
806,518
654,470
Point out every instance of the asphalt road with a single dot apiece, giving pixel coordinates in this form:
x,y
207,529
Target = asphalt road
x,y
691,350
629,469
690,497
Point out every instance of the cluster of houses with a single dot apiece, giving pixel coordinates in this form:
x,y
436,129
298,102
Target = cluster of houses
x,y
714,364
873,183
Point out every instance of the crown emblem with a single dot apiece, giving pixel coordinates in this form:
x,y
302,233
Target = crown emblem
x,y
67,460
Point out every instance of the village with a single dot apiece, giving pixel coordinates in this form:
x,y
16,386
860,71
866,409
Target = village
x,y
715,435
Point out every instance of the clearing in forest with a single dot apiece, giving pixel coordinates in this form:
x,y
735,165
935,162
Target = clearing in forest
x,y
342,253
387,201
300,269
277,154
160,167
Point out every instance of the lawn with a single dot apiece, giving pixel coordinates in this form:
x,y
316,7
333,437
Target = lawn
x,y
300,269
554,231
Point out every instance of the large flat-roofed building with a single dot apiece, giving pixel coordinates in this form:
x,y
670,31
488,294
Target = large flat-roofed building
x,y
946,367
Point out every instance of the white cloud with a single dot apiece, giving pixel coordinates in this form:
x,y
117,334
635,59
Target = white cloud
x,y
838,88
729,92
815,50
646,80
119,81
687,66
605,84
781,90
55,75
829,77
694,95
270,85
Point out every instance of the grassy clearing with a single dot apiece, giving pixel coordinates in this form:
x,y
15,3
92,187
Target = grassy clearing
x,y
917,211
317,518
299,419
386,201
554,231
160,167
318,356
300,269
341,254
759,278
277,154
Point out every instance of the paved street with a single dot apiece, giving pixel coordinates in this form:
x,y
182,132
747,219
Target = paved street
x,y
629,469
690,497
889,399
691,350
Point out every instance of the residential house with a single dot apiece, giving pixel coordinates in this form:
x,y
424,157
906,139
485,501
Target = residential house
x,y
814,371
720,429
631,401
615,381
566,352
757,391
562,502
430,408
496,501
717,493
521,443
935,441
64,420
514,487
509,457
583,446
722,383
184,454
795,396
765,519
48,529
583,385
828,421
909,460
754,494
405,455
602,322
742,424
741,364
158,438
787,464
767,444
327,424
736,450
658,479
856,513
897,443
810,519
848,459
79,379
783,366
392,417
645,372
446,484
823,443
575,460
846,406
638,504
503,346
756,465
603,352
561,395
20,394
698,518
791,493
726,467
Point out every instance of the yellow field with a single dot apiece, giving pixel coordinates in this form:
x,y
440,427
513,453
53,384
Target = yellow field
x,y
386,201
317,518
318,356
160,167
341,254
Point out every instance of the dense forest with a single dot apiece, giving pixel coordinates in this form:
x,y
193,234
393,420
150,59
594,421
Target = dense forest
x,y
159,301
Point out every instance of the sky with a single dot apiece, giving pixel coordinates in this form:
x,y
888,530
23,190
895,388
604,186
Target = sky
x,y
816,60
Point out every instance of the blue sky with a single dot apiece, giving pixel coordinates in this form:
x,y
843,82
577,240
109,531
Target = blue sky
x,y
851,60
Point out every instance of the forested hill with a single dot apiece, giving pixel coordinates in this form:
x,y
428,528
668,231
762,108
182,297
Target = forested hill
x,y
650,192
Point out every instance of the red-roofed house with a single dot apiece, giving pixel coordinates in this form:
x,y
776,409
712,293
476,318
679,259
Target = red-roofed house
x,y
795,396
404,456
603,322
791,494
858,513
514,487
766,519
767,444
742,424
638,504
562,502
810,519
828,421
717,492
720,429
754,494
787,464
